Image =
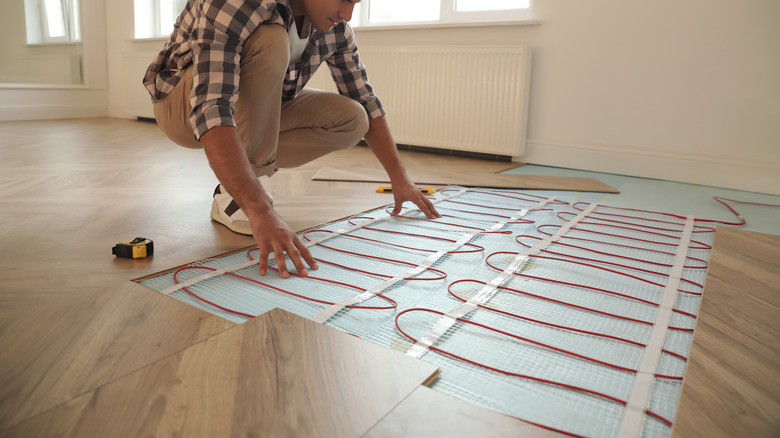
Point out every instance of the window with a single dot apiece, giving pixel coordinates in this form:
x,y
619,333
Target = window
x,y
155,18
403,12
52,21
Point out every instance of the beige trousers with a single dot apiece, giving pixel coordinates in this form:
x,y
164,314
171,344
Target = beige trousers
x,y
275,135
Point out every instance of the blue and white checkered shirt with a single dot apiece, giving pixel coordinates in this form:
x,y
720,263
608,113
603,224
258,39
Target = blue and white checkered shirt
x,y
211,34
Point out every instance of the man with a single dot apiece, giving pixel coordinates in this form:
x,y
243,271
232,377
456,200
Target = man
x,y
231,80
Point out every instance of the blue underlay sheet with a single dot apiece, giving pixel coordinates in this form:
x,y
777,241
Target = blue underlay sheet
x,y
564,300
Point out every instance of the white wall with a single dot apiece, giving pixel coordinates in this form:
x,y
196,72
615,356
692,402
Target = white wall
x,y
127,62
686,91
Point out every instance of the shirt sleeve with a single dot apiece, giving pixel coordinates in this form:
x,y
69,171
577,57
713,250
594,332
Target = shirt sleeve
x,y
350,75
215,76
217,40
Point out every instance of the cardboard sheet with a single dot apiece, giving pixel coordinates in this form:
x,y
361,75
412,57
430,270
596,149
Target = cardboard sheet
x,y
492,180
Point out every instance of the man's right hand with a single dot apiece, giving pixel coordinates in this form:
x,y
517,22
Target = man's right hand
x,y
273,235
228,159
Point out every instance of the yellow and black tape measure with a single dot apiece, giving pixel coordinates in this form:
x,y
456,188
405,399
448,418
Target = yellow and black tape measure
x,y
385,189
137,248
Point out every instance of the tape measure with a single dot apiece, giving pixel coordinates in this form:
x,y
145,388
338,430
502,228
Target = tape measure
x,y
385,189
137,248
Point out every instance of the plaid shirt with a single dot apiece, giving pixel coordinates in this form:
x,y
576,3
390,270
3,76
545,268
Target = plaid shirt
x,y
211,34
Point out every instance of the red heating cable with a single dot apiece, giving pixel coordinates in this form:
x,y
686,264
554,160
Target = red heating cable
x,y
719,199
595,216
694,244
451,224
546,323
610,292
703,264
477,247
236,312
492,207
442,274
477,213
505,372
439,222
634,268
527,197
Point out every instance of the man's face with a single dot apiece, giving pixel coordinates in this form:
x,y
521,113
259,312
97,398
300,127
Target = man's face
x,y
325,14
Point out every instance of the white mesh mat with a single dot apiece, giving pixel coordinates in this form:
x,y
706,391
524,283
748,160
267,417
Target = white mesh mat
x,y
534,307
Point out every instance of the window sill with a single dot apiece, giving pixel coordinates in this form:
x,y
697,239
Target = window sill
x,y
55,44
448,25
150,39
23,86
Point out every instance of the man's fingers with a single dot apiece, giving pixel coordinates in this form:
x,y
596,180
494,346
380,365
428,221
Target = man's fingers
x,y
298,254
295,250
432,208
263,261
426,206
273,235
427,209
306,255
280,264
422,202
295,258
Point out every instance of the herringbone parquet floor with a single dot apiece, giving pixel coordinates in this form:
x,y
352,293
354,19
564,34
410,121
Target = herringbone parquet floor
x,y
70,321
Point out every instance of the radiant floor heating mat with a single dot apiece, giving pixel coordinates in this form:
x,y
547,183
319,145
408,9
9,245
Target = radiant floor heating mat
x,y
577,317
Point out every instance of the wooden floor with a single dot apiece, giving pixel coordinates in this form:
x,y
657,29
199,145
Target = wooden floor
x,y
73,327
245,380
732,381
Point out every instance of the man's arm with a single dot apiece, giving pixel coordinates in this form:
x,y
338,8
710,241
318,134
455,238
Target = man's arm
x,y
352,80
381,143
229,162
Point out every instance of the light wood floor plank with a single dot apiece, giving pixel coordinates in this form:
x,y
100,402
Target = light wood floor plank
x,y
429,413
276,375
732,380
70,345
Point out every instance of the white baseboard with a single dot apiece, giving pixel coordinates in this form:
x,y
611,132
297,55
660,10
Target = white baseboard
x,y
738,175
121,112
50,112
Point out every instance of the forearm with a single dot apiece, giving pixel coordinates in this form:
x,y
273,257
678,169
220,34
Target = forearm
x,y
380,141
230,164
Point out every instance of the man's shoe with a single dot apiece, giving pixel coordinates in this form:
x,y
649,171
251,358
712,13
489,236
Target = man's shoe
x,y
226,211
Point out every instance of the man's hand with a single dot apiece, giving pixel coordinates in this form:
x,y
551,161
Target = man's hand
x,y
381,143
407,191
228,159
273,235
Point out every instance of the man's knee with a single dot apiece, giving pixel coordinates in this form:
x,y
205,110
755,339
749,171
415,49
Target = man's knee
x,y
172,114
357,113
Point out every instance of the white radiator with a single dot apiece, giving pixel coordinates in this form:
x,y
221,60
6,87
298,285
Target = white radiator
x,y
468,98
465,98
